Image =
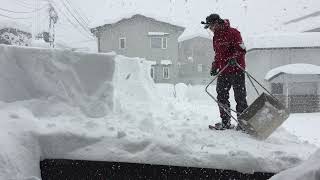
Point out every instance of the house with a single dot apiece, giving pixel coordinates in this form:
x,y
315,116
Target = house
x,y
195,59
146,37
265,53
297,86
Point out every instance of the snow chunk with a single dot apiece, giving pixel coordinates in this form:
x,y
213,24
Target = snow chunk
x,y
293,69
166,62
157,33
309,170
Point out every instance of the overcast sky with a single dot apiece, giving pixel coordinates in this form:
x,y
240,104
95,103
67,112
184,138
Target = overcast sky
x,y
249,16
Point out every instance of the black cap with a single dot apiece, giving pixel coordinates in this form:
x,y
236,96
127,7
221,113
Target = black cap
x,y
212,19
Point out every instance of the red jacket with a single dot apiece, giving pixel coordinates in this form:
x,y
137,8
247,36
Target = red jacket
x,y
228,44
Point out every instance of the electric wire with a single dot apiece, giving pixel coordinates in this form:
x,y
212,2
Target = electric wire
x,y
82,17
23,12
68,19
2,15
86,29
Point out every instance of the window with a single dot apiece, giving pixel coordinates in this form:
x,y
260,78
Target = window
x,y
276,88
159,42
166,73
164,43
199,68
122,43
152,72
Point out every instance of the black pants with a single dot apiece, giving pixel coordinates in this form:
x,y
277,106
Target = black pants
x,y
224,83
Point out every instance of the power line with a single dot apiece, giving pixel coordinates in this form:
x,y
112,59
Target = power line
x,y
25,5
83,26
84,19
68,19
2,15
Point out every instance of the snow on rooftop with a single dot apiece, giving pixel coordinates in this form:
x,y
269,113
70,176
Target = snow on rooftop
x,y
293,69
185,36
283,40
166,62
131,15
157,33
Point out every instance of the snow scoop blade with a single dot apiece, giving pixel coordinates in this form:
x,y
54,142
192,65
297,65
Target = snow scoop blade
x,y
263,116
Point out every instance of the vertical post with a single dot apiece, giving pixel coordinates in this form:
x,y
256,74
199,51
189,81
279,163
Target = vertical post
x,y
53,18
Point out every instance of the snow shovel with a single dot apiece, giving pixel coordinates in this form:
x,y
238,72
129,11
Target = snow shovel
x,y
262,117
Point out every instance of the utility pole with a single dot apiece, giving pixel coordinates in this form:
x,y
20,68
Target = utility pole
x,y
53,18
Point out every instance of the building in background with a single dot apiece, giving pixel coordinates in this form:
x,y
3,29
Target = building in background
x,y
296,86
195,59
268,52
146,37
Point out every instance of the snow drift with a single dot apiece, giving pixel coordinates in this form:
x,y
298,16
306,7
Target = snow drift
x,y
67,105
55,76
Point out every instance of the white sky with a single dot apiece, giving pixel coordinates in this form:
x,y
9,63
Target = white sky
x,y
249,16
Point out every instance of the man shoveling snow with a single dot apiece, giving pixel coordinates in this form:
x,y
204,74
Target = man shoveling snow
x,y
229,50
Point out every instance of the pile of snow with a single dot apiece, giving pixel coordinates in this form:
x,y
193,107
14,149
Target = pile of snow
x,y
61,104
293,69
308,170
53,77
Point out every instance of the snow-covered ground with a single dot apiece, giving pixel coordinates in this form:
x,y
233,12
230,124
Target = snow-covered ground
x,y
61,104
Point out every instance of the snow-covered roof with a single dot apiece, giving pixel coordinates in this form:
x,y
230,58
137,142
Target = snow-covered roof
x,y
185,37
283,40
157,33
132,15
166,62
293,69
151,62
304,22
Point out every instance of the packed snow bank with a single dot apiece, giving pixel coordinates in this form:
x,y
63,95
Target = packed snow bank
x,y
54,77
20,150
308,170
66,96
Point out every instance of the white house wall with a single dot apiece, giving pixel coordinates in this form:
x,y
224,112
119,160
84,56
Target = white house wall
x,y
136,31
260,61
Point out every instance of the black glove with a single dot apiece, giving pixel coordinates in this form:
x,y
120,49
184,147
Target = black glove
x,y
232,62
213,71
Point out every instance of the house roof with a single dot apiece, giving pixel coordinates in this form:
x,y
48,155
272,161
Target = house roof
x,y
131,16
304,23
191,36
284,40
293,69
